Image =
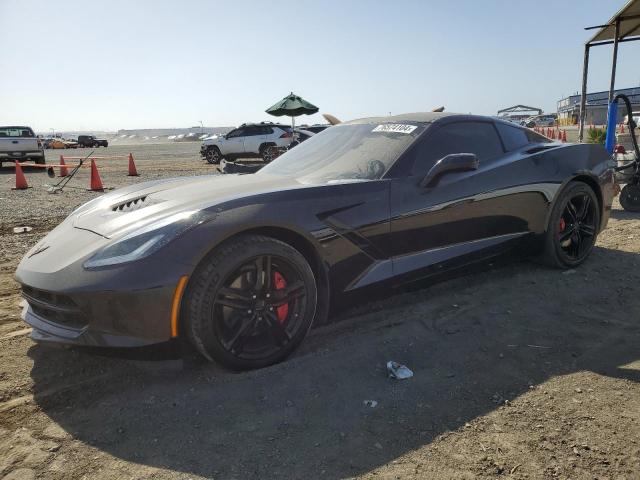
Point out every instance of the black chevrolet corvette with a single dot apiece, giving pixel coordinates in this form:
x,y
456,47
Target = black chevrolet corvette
x,y
242,265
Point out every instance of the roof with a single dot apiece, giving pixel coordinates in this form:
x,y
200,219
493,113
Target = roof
x,y
520,108
259,124
418,117
629,16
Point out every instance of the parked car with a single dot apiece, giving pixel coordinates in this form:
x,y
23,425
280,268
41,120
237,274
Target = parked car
x,y
91,141
302,134
19,144
543,121
314,128
246,141
58,143
242,265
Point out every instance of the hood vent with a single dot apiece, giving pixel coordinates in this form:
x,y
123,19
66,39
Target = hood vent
x,y
130,205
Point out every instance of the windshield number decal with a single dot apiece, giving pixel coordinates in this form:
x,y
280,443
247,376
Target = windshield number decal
x,y
395,128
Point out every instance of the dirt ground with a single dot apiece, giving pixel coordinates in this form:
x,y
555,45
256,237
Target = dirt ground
x,y
521,372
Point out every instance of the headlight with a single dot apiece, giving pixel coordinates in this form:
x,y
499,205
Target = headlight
x,y
145,241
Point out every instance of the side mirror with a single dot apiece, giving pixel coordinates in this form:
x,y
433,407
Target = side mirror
x,y
450,163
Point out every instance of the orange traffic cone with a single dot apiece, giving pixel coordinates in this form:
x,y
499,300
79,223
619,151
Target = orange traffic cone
x,y
564,136
64,171
96,183
21,181
622,128
132,167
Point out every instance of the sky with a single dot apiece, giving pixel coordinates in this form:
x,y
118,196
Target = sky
x,y
106,65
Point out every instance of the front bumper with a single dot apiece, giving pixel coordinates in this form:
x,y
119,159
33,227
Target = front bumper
x,y
21,155
122,306
105,319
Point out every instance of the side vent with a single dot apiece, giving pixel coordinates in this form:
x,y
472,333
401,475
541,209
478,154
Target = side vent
x,y
130,205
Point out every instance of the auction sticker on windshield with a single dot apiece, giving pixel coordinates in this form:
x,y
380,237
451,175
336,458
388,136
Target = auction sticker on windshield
x,y
395,128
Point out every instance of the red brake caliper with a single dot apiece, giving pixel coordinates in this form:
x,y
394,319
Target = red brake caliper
x,y
280,283
563,224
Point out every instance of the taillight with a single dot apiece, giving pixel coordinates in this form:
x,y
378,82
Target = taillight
x,y
619,149
286,135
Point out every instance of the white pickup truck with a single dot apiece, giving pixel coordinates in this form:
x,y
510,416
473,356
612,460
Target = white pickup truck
x,y
18,144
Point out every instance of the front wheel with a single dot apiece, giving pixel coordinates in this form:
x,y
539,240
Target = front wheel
x,y
213,155
250,303
573,227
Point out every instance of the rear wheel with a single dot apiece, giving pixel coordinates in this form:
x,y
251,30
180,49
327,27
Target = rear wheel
x,y
213,155
268,152
630,198
250,303
573,227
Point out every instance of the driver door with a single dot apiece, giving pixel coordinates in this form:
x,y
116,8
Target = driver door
x,y
454,219
234,142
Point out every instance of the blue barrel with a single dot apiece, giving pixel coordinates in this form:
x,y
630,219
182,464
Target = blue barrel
x,y
612,118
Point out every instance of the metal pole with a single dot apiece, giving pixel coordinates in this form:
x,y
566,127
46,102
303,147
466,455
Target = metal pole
x,y
614,61
583,96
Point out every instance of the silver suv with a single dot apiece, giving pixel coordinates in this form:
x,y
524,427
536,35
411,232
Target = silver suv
x,y
248,140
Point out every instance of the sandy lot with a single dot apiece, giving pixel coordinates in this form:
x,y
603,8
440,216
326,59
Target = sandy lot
x,y
520,372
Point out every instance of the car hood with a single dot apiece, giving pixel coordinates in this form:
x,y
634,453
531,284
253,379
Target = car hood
x,y
213,139
130,208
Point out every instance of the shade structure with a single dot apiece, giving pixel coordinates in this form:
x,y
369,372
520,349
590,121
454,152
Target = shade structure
x,y
292,106
628,18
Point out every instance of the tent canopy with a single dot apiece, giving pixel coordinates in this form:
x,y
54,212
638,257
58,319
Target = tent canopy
x,y
624,26
629,17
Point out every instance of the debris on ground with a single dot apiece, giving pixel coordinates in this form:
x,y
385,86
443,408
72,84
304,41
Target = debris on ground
x,y
370,403
22,229
398,371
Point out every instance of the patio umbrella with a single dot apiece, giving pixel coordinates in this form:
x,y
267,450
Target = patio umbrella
x,y
292,106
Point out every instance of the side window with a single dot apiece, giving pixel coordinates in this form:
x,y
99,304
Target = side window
x,y
536,137
480,138
238,132
512,137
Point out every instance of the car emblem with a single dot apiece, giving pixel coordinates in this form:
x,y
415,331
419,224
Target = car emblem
x,y
38,250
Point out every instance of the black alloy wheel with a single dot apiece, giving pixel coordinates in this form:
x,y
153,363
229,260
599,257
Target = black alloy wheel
x,y
213,155
252,302
574,226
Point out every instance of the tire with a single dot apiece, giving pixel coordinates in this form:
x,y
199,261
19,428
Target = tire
x,y
230,316
213,155
39,160
573,227
266,152
630,198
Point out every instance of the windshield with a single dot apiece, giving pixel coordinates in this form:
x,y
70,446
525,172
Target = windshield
x,y
346,152
16,132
